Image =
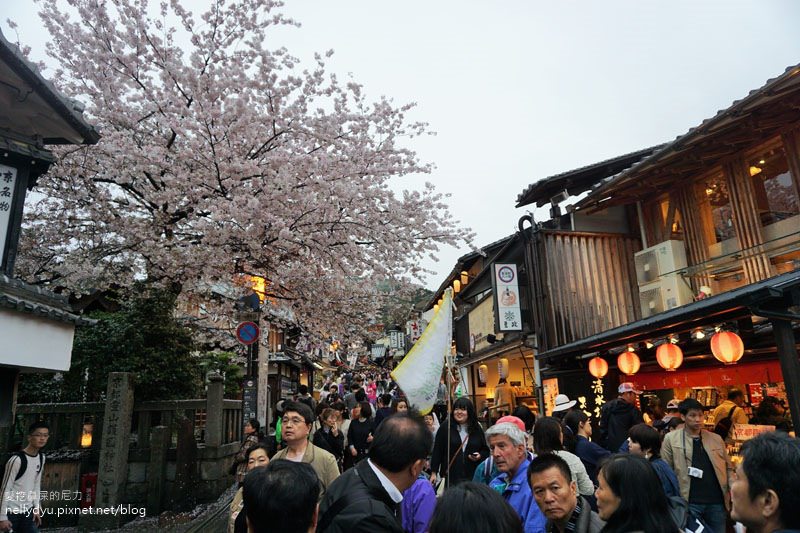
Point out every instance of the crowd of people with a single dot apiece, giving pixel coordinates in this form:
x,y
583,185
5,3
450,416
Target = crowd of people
x,y
396,471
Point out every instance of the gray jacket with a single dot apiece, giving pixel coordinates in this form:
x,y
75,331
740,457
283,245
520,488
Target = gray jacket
x,y
588,521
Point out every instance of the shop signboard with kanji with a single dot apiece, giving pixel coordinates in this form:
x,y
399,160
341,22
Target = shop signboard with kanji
x,y
748,431
8,182
506,285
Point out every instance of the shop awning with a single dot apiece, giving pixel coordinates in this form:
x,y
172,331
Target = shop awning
x,y
741,373
728,306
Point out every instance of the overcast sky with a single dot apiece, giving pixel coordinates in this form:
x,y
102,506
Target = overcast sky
x,y
521,90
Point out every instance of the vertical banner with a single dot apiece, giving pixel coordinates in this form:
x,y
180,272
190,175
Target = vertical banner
x,y
418,374
8,184
509,316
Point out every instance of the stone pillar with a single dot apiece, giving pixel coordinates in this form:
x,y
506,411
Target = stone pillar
x,y
214,412
157,469
113,470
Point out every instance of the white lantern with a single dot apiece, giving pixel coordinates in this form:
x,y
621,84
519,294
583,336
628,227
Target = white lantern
x,y
502,368
483,373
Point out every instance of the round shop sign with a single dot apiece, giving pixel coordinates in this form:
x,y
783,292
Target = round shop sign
x,y
505,274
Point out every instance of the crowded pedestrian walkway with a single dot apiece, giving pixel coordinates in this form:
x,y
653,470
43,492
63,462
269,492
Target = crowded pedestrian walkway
x,y
481,475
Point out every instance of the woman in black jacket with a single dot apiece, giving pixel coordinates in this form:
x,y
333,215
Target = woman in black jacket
x,y
359,435
467,445
329,437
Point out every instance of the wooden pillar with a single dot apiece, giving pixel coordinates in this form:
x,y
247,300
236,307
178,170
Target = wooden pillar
x,y
9,379
791,144
746,221
696,245
790,365
183,491
157,469
143,431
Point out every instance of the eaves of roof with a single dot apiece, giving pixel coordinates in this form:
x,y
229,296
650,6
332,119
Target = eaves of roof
x,y
774,88
69,110
580,179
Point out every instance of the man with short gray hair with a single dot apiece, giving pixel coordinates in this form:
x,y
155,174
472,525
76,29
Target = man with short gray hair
x,y
507,444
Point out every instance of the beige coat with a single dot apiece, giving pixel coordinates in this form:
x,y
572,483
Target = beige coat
x,y
675,453
323,463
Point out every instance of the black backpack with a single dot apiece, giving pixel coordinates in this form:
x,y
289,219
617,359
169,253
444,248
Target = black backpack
x,y
23,463
723,427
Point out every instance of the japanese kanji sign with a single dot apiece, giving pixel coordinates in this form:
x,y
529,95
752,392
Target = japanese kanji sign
x,y
509,316
8,182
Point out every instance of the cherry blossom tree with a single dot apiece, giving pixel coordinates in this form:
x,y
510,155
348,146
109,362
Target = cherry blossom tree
x,y
221,156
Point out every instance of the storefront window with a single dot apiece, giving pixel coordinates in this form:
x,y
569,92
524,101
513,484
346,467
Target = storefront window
x,y
776,198
716,205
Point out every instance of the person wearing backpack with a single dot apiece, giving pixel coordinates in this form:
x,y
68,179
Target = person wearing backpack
x,y
729,412
19,493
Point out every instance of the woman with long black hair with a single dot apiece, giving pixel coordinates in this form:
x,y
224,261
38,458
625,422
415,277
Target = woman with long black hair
x,y
630,497
590,453
548,437
467,445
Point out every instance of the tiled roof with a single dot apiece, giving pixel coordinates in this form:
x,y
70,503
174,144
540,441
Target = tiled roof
x,y
19,296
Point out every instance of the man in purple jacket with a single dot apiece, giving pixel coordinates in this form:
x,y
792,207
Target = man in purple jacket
x,y
419,501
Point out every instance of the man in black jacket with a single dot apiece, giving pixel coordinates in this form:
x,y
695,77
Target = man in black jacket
x,y
366,498
618,416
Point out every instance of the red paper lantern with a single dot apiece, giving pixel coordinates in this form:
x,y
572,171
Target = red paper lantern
x,y
628,363
669,356
727,347
598,367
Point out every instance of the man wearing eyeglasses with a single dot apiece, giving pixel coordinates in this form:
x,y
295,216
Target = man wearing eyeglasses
x,y
19,493
296,426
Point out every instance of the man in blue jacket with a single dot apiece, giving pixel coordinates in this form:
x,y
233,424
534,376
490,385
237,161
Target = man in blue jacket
x,y
507,444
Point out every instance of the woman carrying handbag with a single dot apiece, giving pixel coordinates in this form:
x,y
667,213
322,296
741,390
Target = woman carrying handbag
x,y
467,445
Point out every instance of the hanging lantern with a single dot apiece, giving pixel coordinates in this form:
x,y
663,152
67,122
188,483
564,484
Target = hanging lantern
x,y
435,308
628,363
456,286
669,356
598,367
502,367
483,373
464,277
727,347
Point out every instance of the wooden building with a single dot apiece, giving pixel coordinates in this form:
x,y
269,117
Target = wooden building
x,y
713,241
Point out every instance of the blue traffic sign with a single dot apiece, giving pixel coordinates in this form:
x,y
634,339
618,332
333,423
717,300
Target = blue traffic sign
x,y
247,332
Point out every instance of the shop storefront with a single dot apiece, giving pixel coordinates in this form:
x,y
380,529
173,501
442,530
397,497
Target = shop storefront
x,y
762,315
514,362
